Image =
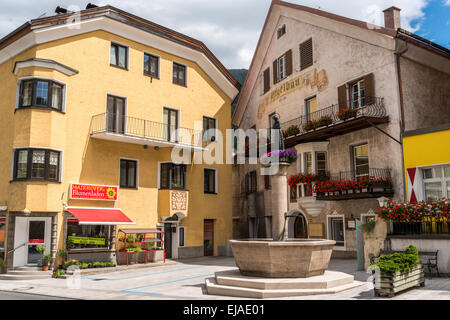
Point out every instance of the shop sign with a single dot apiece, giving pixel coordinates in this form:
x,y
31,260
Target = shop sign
x,y
87,240
35,240
93,192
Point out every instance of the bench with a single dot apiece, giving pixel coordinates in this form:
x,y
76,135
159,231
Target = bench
x,y
428,259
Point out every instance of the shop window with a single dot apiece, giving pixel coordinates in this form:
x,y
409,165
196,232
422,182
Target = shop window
x,y
36,164
210,176
436,182
128,173
87,236
151,65
172,176
2,235
41,93
118,56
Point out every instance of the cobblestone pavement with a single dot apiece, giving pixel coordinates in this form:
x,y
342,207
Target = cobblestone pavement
x,y
184,279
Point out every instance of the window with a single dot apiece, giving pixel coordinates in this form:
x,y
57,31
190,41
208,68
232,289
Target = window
x,y
266,80
87,236
170,124
179,74
308,163
41,93
181,236
361,160
151,65
115,114
281,31
36,164
306,54
172,176
358,94
293,194
337,230
436,182
210,181
251,182
311,109
267,184
208,124
118,56
128,173
321,162
281,68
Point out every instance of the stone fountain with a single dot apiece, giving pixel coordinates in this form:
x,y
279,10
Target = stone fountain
x,y
280,267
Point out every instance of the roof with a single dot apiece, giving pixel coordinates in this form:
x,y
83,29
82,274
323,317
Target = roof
x,y
100,216
436,128
124,17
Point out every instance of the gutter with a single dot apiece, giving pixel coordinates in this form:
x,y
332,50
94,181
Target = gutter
x,y
402,112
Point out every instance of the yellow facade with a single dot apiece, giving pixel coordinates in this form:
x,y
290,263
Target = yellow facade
x,y
94,161
424,149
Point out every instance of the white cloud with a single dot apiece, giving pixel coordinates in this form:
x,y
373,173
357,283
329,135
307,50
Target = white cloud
x,y
230,28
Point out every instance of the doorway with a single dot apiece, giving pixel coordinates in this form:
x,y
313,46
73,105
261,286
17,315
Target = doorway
x,y
208,237
30,233
300,228
168,240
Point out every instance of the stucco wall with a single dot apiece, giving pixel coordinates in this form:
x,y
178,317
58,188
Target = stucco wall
x,y
426,94
400,244
91,161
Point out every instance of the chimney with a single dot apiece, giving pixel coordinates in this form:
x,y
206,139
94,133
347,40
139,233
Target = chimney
x,y
392,18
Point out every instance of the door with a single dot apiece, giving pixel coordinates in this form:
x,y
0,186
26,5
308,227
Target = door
x,y
300,228
168,240
115,115
170,124
29,233
311,109
208,236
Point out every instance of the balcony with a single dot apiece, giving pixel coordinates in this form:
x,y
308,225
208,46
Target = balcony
x,y
144,132
328,122
348,185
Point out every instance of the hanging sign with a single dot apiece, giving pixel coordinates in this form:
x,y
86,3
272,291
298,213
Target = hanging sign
x,y
93,192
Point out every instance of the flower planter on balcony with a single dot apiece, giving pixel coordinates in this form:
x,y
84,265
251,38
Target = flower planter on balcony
x,y
393,283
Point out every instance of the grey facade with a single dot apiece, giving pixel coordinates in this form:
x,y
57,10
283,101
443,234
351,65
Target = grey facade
x,y
406,85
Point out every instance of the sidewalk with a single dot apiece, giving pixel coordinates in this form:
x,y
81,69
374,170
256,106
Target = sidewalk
x,y
185,280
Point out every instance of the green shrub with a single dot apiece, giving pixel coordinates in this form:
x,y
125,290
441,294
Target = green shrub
x,y
130,239
69,263
2,262
47,258
40,249
59,273
399,261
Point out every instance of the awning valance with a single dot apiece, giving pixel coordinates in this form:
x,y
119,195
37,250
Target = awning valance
x,y
100,216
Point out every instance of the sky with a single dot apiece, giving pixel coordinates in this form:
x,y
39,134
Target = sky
x,y
231,28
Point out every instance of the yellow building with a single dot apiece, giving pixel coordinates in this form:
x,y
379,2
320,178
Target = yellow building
x,y
427,163
91,103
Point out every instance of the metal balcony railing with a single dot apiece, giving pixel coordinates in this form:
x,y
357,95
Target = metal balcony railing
x,y
374,108
140,128
376,173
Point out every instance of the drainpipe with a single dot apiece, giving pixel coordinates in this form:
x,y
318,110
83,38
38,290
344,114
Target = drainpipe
x,y
402,110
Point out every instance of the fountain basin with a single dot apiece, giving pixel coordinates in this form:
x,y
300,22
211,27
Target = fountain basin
x,y
296,258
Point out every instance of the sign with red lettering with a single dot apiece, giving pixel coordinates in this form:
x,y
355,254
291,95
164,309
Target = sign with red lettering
x,y
35,240
92,192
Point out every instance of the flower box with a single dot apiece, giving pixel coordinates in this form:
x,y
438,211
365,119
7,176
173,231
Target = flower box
x,y
389,284
291,131
347,113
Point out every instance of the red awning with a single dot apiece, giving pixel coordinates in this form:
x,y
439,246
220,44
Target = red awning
x,y
100,216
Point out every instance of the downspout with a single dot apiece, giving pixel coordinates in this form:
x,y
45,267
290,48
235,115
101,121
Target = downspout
x,y
402,111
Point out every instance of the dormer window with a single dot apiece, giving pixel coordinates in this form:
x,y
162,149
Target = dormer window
x,y
281,31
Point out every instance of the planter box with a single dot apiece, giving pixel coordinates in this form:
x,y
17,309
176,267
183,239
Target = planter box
x,y
155,256
139,257
393,283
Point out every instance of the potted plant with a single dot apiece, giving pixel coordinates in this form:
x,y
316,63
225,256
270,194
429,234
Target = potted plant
x,y
291,131
324,121
398,272
310,125
2,266
347,113
41,249
46,260
63,254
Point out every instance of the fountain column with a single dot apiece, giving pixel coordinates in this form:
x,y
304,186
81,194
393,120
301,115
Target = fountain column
x,y
279,198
